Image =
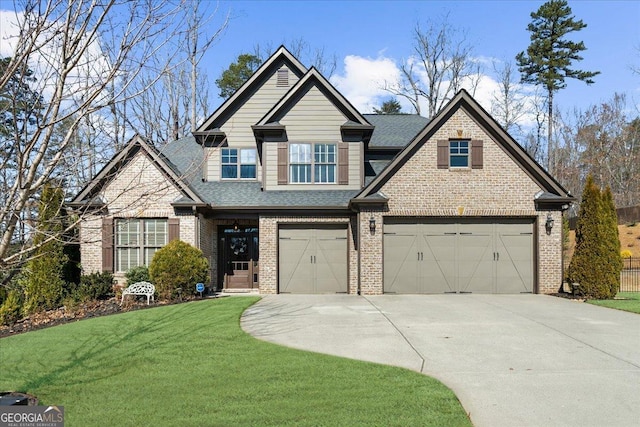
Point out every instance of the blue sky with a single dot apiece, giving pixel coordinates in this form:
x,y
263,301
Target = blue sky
x,y
372,30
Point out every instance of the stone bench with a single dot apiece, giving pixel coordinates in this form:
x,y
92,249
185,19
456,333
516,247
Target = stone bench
x,y
140,288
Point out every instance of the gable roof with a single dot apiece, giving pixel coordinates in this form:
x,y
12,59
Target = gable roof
x,y
279,58
463,100
87,196
313,78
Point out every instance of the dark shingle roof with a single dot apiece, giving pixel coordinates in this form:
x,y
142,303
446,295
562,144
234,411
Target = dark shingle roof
x,y
186,157
394,130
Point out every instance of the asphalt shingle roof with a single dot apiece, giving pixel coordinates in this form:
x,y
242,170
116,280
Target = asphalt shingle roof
x,y
394,130
186,157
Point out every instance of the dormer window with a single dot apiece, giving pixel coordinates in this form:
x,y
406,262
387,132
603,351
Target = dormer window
x,y
239,163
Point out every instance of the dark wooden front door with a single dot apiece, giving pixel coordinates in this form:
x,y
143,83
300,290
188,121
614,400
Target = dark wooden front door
x,y
239,258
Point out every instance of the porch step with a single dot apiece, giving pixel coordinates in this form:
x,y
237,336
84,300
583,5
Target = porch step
x,y
239,291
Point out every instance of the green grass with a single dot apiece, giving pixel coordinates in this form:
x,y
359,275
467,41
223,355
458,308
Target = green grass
x,y
191,365
631,302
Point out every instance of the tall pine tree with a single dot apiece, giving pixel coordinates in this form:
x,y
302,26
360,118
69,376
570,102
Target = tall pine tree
x,y
548,59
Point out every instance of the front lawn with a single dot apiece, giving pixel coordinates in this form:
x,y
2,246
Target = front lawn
x,y
191,365
627,301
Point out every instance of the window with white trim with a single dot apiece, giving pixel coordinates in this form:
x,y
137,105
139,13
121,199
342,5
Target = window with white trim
x,y
317,168
239,163
137,240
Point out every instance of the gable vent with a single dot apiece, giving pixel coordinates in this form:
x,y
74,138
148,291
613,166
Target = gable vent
x,y
283,78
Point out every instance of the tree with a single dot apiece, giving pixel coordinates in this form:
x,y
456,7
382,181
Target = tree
x,y
87,58
441,66
391,106
590,268
548,59
42,279
237,73
508,105
611,242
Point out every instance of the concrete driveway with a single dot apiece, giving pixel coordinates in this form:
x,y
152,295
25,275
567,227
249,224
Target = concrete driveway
x,y
512,360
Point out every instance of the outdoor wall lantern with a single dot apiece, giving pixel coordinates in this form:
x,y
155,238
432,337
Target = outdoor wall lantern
x,y
549,224
235,226
372,225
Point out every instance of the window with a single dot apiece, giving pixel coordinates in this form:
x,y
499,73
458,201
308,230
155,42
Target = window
x,y
300,163
239,163
459,154
319,168
324,157
137,240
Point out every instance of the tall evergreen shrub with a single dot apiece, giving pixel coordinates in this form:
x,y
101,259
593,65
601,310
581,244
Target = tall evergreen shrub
x,y
42,277
592,268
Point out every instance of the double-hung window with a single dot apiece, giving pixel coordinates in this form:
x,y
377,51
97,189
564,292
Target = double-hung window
x,y
458,154
300,163
239,163
324,167
137,240
317,168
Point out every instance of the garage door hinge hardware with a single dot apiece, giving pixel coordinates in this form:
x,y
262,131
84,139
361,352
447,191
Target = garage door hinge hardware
x,y
420,256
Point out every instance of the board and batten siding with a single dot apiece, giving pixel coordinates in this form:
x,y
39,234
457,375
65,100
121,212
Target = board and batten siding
x,y
238,127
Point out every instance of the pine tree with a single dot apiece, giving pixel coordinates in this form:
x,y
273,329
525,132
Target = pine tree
x,y
42,277
592,268
611,242
547,61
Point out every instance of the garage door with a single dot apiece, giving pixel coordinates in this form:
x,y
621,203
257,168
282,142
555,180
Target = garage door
x,y
313,260
492,256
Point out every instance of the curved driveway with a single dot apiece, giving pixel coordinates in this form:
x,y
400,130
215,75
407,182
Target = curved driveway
x,y
512,360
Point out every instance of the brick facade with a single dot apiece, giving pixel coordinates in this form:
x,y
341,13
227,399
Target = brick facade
x,y
139,190
500,189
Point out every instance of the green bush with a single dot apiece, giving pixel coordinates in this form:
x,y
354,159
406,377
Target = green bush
x,y
176,268
11,309
95,286
596,263
137,274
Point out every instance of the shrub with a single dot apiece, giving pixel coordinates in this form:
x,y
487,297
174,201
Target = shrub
x,y
11,309
137,274
95,286
626,254
596,263
176,268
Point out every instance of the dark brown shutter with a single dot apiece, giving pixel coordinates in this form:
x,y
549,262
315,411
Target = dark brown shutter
x,y
476,154
282,163
174,229
343,164
443,154
107,245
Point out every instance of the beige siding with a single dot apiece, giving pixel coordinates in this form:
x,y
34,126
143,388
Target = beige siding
x,y
314,119
140,190
238,127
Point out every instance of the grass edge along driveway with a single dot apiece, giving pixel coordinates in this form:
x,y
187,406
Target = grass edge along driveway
x,y
627,301
191,365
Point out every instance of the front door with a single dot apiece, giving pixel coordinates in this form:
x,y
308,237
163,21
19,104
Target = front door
x,y
239,258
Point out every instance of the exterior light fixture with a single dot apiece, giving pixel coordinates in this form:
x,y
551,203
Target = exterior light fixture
x,y
235,226
549,224
372,225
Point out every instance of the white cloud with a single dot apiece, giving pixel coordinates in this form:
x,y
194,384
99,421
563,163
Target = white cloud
x,y
363,80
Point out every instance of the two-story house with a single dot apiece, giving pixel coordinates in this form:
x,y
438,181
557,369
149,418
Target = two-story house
x,y
287,188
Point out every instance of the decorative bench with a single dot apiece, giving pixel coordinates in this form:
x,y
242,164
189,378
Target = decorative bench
x,y
140,288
